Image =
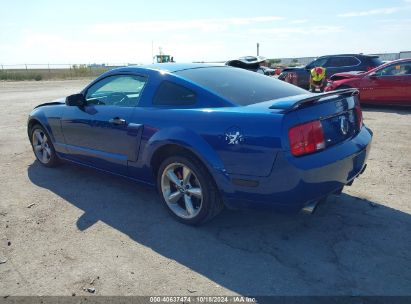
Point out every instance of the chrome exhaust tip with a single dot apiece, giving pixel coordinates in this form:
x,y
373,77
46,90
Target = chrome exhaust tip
x,y
310,207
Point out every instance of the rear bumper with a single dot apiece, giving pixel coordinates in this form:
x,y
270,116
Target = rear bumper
x,y
297,181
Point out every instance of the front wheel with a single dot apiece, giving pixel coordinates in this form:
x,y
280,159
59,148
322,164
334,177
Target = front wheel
x,y
187,190
43,147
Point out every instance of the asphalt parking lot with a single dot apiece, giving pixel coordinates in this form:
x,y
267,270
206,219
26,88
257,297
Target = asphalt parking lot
x,y
67,229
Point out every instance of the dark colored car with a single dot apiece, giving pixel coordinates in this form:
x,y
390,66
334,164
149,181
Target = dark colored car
x,y
388,84
208,136
300,76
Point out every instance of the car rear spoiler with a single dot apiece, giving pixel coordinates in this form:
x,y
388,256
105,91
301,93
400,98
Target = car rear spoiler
x,y
294,102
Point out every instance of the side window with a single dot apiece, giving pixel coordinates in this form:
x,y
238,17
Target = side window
x,y
334,62
396,70
171,94
407,68
351,61
342,61
119,90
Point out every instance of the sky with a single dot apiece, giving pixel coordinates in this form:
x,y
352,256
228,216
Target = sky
x,y
130,31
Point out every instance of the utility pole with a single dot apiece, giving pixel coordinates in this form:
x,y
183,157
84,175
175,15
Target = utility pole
x,y
152,51
258,49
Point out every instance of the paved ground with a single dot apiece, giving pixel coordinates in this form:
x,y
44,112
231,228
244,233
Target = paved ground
x,y
88,229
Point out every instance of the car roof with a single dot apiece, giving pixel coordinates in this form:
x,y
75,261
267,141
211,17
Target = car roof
x,y
356,55
400,60
169,67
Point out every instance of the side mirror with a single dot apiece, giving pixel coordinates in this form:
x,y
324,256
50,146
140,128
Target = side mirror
x,y
76,100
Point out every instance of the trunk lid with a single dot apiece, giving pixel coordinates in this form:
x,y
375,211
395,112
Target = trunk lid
x,y
338,112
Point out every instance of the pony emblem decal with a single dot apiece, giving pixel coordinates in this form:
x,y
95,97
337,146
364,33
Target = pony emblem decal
x,y
233,136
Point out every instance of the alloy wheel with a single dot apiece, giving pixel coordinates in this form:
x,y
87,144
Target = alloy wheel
x,y
41,146
181,190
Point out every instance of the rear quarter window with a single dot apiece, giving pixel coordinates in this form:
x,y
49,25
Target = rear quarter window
x,y
172,94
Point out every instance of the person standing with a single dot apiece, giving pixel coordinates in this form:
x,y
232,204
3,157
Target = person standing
x,y
317,79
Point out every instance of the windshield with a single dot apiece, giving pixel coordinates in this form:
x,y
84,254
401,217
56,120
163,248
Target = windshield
x,y
240,86
320,62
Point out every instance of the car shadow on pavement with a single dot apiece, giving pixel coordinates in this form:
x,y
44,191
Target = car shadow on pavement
x,y
349,246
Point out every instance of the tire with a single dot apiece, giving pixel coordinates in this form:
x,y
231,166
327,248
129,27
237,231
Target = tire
x,y
187,190
43,147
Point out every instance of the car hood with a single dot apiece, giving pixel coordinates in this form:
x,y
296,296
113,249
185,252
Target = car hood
x,y
301,68
347,75
60,101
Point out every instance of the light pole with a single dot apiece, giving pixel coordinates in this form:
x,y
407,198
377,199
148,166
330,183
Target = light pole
x,y
258,49
152,51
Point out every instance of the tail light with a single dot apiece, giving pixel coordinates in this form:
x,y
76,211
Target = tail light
x,y
358,113
306,138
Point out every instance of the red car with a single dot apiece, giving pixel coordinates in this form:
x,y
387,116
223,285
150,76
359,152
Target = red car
x,y
388,84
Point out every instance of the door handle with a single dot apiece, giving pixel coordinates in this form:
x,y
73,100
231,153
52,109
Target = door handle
x,y
117,121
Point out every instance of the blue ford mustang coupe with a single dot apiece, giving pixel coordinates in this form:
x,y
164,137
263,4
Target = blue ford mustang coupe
x,y
208,136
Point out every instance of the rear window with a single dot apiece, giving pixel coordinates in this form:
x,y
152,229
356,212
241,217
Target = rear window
x,y
240,86
171,94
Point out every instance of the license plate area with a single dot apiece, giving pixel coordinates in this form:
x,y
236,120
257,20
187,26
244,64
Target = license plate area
x,y
358,163
339,128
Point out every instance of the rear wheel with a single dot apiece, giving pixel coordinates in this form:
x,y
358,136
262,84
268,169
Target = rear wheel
x,y
187,190
43,147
